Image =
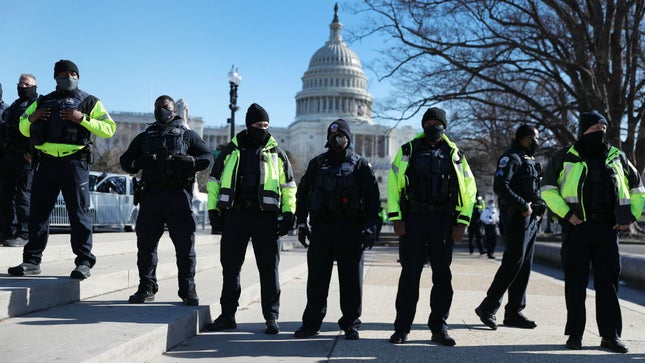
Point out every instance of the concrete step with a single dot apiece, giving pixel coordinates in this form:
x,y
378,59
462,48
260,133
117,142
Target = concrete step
x,y
104,244
103,327
116,269
387,238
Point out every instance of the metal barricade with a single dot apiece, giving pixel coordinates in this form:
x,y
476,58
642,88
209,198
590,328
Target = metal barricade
x,y
106,211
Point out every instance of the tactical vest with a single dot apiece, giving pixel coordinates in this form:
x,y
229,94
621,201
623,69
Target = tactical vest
x,y
335,191
164,143
55,129
248,176
598,191
526,182
431,176
575,172
14,140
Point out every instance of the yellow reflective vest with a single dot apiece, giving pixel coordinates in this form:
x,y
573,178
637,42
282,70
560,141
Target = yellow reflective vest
x,y
564,180
97,121
398,181
277,192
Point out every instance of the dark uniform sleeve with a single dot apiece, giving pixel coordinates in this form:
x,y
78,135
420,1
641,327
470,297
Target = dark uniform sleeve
x,y
131,154
218,164
371,194
200,151
507,167
304,189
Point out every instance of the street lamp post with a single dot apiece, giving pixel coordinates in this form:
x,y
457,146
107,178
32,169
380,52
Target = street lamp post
x,y
234,80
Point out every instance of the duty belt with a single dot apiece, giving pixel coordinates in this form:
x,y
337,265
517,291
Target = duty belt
x,y
602,217
246,204
82,155
417,207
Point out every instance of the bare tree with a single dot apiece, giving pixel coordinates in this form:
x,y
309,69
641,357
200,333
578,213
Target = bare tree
x,y
498,63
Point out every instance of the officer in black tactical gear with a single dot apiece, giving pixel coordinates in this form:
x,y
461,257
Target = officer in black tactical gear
x,y
3,104
431,193
517,185
169,155
61,126
16,166
251,196
340,195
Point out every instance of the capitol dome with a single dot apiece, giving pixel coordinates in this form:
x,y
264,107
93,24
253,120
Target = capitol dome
x,y
334,86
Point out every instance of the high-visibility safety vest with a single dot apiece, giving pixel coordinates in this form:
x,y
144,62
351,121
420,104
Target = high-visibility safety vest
x,y
398,181
565,193
96,120
277,191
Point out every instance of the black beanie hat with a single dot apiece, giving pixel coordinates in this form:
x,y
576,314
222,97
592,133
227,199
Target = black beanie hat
x,y
256,113
435,113
65,65
339,125
589,119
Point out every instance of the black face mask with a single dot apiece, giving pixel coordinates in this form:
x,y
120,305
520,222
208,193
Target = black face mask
x,y
67,84
26,93
163,116
338,143
256,135
533,146
591,144
433,133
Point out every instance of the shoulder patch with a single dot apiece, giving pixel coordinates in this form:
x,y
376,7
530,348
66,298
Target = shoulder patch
x,y
503,162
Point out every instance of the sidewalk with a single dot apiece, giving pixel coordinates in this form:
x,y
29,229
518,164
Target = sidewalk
x,y
475,342
52,317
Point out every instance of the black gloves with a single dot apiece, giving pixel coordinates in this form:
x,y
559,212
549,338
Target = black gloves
x,y
216,220
182,163
285,224
145,161
367,239
538,207
303,234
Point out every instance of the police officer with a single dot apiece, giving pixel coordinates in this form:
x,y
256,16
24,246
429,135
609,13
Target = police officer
x,y
61,125
340,195
169,155
17,172
251,195
475,227
490,219
517,185
596,192
3,104
431,192
4,220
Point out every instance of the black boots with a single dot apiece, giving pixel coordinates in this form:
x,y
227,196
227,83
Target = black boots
x,y
145,292
189,298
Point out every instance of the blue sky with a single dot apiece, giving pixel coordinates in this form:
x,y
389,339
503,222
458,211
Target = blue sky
x,y
129,52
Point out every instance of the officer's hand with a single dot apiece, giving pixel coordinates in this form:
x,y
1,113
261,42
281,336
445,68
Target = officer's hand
x,y
399,227
216,220
575,220
458,231
75,116
367,239
145,161
39,114
621,227
539,207
285,224
527,212
303,234
184,163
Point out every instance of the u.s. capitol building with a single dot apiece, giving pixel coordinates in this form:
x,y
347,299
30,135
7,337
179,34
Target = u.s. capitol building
x,y
334,86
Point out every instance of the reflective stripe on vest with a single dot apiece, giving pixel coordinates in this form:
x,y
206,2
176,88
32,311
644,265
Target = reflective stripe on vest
x,y
574,172
269,177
